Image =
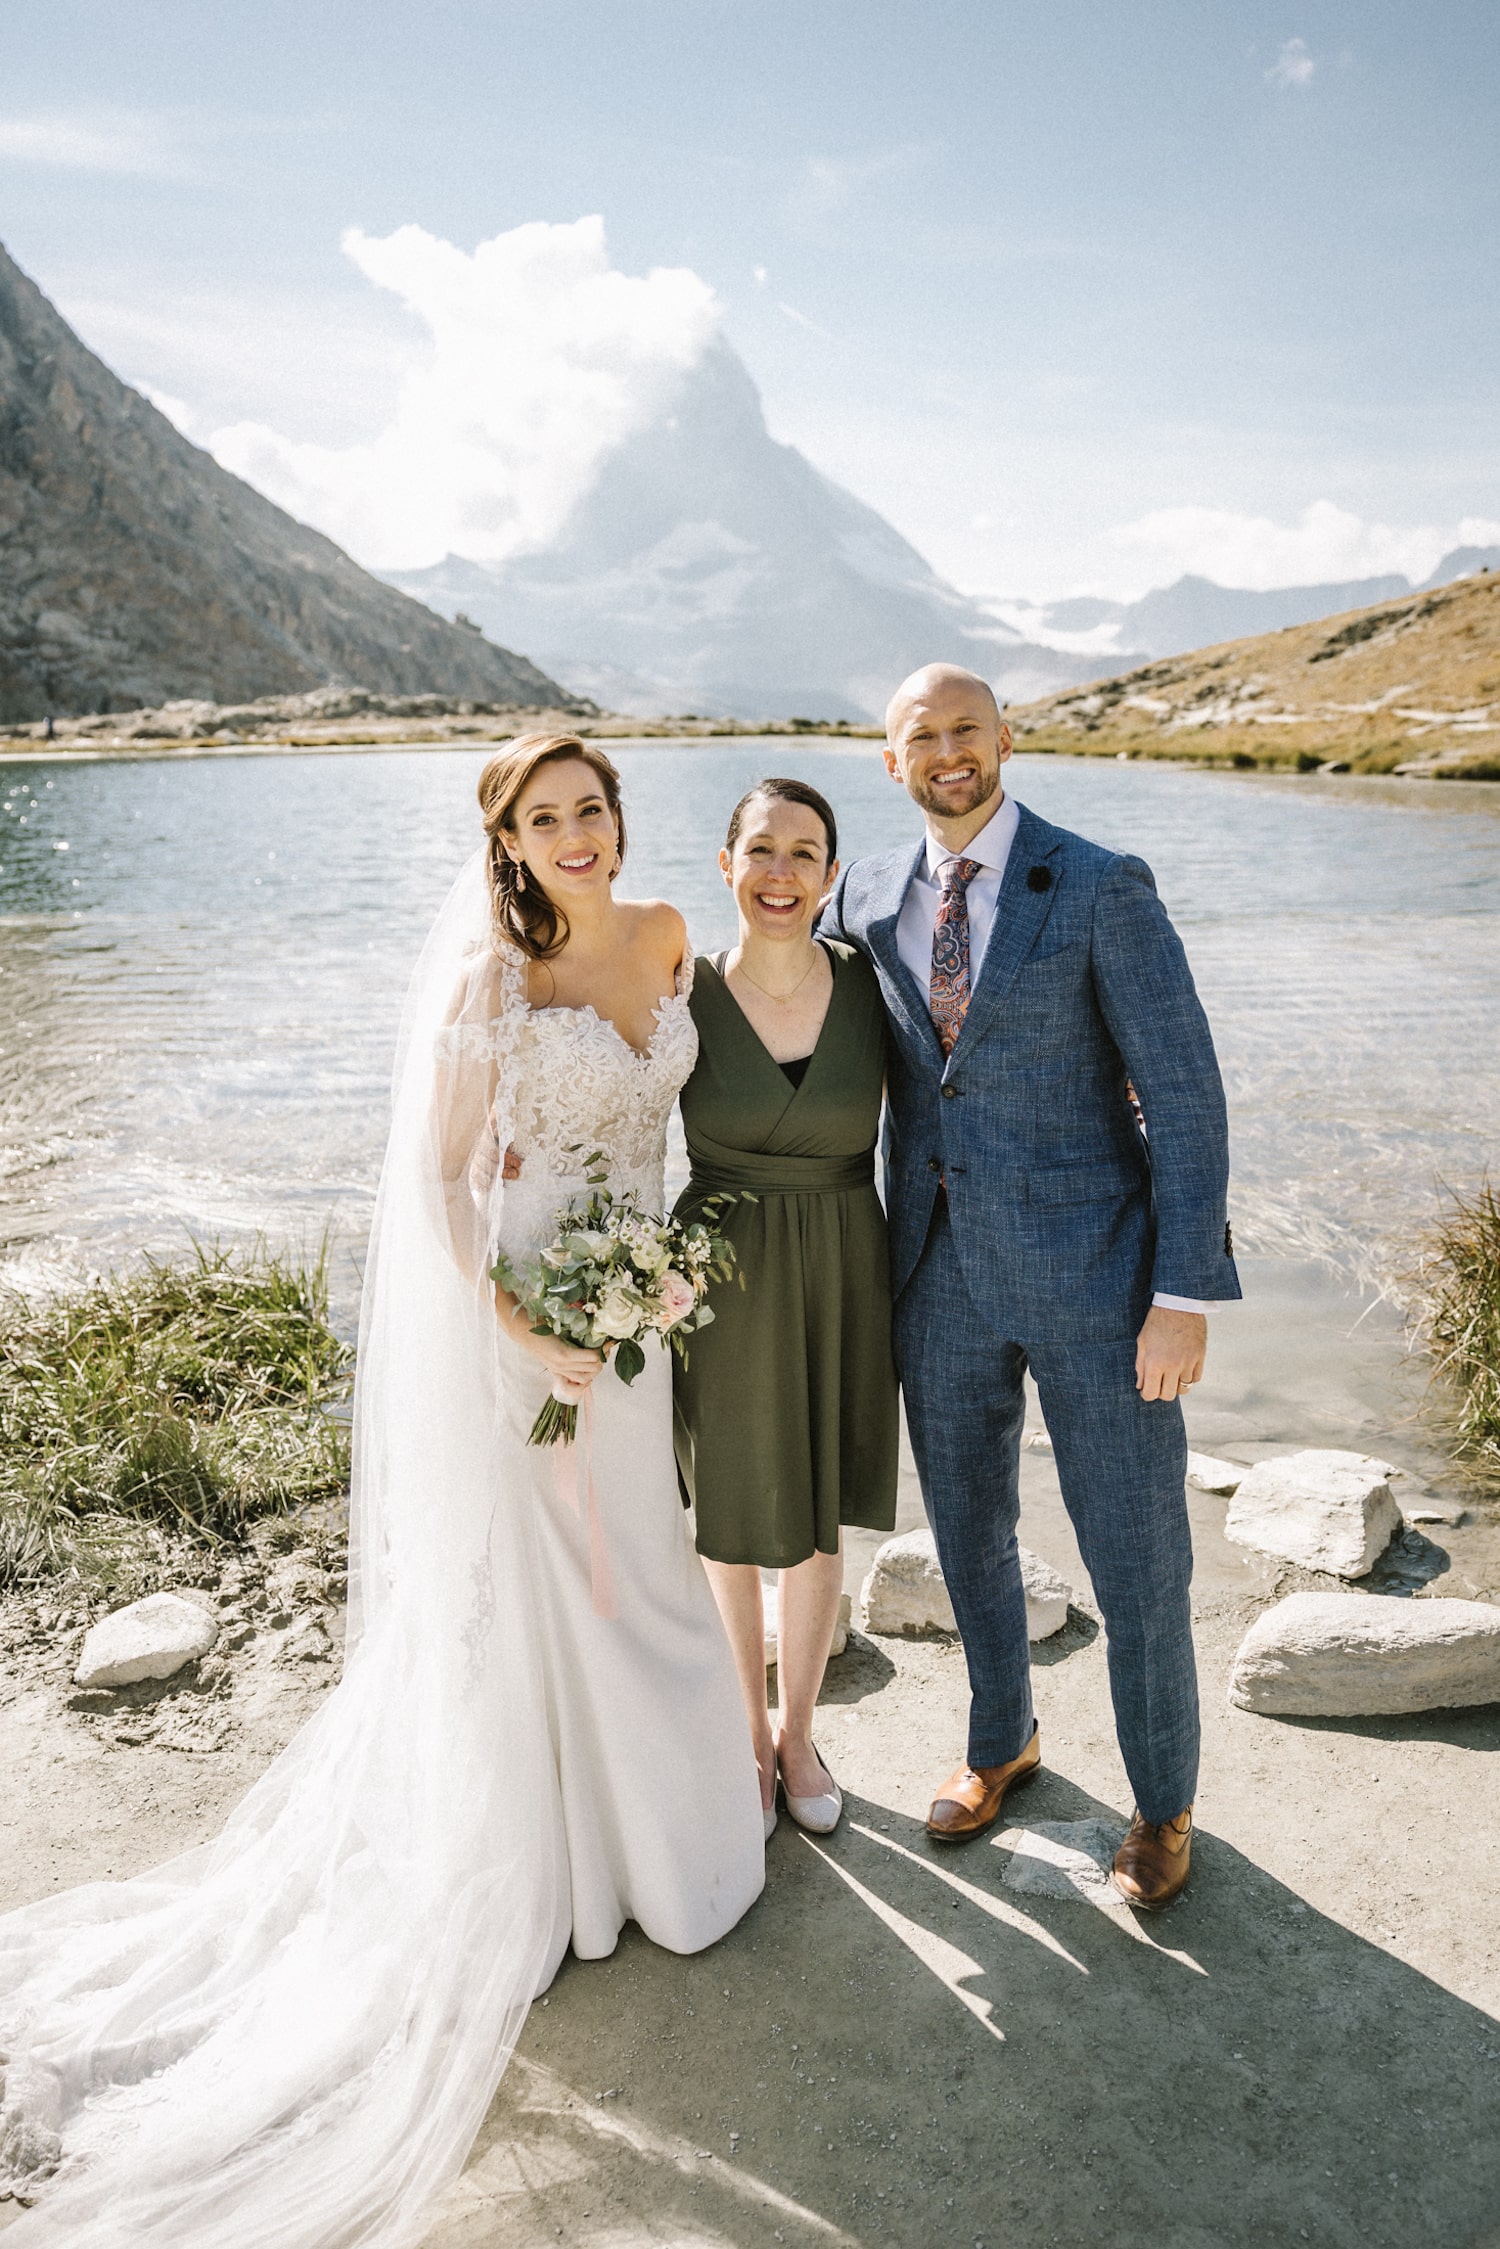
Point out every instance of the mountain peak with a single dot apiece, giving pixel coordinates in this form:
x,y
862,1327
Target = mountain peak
x,y
710,568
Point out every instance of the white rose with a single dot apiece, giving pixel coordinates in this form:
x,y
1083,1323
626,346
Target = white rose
x,y
618,1315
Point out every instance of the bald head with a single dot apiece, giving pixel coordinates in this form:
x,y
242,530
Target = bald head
x,y
945,742
934,681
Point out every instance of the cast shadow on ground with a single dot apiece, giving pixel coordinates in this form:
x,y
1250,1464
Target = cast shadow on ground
x,y
1477,1728
863,1669
1080,1629
1412,1559
898,2047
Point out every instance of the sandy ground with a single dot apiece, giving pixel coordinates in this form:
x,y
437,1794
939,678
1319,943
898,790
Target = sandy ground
x,y
911,2047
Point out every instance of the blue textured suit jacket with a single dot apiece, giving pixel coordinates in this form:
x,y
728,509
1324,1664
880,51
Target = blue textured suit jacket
x,y
1064,1223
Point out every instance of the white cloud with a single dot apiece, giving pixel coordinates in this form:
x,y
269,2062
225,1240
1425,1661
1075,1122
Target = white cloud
x,y
1293,67
540,360
1324,543
110,141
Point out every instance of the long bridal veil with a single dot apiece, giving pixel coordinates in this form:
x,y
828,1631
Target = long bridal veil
x,y
287,2038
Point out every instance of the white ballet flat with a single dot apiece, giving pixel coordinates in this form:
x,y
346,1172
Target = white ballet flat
x,y
768,1814
820,1815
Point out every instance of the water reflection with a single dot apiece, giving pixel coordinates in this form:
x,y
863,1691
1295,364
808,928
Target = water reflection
x,y
202,961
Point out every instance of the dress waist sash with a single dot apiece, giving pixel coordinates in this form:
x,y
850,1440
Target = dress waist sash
x,y
736,1171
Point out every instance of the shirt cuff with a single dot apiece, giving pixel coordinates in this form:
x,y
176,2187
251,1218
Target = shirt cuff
x,y
1180,1303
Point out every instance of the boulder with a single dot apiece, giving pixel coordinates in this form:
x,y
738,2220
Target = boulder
x,y
771,1608
1364,1655
148,1640
1330,1511
904,1596
1206,1474
1047,1596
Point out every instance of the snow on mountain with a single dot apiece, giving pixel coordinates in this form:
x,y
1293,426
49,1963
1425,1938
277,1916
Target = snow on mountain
x,y
710,569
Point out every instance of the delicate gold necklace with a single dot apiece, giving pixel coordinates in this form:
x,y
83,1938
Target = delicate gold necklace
x,y
781,998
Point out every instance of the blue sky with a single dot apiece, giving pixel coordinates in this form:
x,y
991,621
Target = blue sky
x,y
1079,294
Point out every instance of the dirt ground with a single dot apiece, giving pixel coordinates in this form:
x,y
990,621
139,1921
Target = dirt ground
x,y
975,2049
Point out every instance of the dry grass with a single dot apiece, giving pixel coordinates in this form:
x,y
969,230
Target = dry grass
x,y
1461,1311
157,1414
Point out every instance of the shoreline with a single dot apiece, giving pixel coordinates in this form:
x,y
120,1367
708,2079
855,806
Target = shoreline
x,y
1477,773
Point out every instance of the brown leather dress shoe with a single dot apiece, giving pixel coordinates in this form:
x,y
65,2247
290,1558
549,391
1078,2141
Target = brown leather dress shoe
x,y
1151,1864
969,1801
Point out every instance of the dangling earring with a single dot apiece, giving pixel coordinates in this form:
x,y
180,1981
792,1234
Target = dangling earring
x,y
619,863
520,875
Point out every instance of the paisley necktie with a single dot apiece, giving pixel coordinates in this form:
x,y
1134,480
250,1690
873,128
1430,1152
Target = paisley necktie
x,y
949,1000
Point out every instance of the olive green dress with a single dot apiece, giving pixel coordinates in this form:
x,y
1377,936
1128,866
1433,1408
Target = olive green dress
x,y
786,1410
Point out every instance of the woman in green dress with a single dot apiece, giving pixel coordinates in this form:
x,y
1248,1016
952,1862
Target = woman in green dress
x,y
786,1413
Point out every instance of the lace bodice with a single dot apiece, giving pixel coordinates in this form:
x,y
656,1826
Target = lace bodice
x,y
581,1086
567,1085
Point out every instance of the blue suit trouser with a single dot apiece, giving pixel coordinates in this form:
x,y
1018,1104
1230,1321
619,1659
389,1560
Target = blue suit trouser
x,y
1121,1464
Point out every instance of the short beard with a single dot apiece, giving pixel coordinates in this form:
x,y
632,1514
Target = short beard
x,y
948,807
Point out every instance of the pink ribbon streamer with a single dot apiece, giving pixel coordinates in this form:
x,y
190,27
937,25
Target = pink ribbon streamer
x,y
565,1478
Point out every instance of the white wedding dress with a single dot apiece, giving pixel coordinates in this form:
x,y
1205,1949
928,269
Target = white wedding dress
x,y
287,2038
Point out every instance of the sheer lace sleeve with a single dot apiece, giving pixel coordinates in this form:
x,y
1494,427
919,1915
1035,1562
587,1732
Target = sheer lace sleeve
x,y
477,1058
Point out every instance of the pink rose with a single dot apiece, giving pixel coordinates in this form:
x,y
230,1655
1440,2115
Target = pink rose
x,y
677,1297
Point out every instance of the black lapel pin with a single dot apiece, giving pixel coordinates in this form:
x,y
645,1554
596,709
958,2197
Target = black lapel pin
x,y
1040,878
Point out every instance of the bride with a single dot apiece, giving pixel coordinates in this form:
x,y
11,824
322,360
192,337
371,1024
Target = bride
x,y
288,2038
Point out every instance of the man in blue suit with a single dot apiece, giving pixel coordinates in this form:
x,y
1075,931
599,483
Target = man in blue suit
x,y
1031,980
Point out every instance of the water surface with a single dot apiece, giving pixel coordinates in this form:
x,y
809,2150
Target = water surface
x,y
202,963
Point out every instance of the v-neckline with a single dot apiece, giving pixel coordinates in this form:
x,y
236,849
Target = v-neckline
x,y
793,1091
647,1053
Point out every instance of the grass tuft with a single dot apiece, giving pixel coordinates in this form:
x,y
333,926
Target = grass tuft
x,y
1461,1311
165,1410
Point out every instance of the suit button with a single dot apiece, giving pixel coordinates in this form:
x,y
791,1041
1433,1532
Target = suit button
x,y
950,1092
934,1163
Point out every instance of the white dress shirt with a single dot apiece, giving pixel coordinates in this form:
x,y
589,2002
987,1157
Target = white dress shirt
x,y
991,847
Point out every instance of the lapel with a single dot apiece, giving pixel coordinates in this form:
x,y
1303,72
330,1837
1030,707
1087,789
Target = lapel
x,y
1020,916
904,996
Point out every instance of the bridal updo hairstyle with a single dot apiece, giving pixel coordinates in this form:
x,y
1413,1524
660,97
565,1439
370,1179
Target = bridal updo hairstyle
x,y
529,918
790,792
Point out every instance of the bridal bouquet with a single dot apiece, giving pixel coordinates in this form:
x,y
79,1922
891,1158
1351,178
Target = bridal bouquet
x,y
614,1276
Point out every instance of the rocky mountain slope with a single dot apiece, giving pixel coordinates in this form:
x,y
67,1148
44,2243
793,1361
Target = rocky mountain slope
x,y
711,569
1407,686
134,570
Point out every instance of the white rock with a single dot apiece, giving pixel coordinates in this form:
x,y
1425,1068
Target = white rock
x,y
148,1640
1329,1511
770,1606
1359,1655
904,1596
1206,1474
1047,1596
1430,1510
